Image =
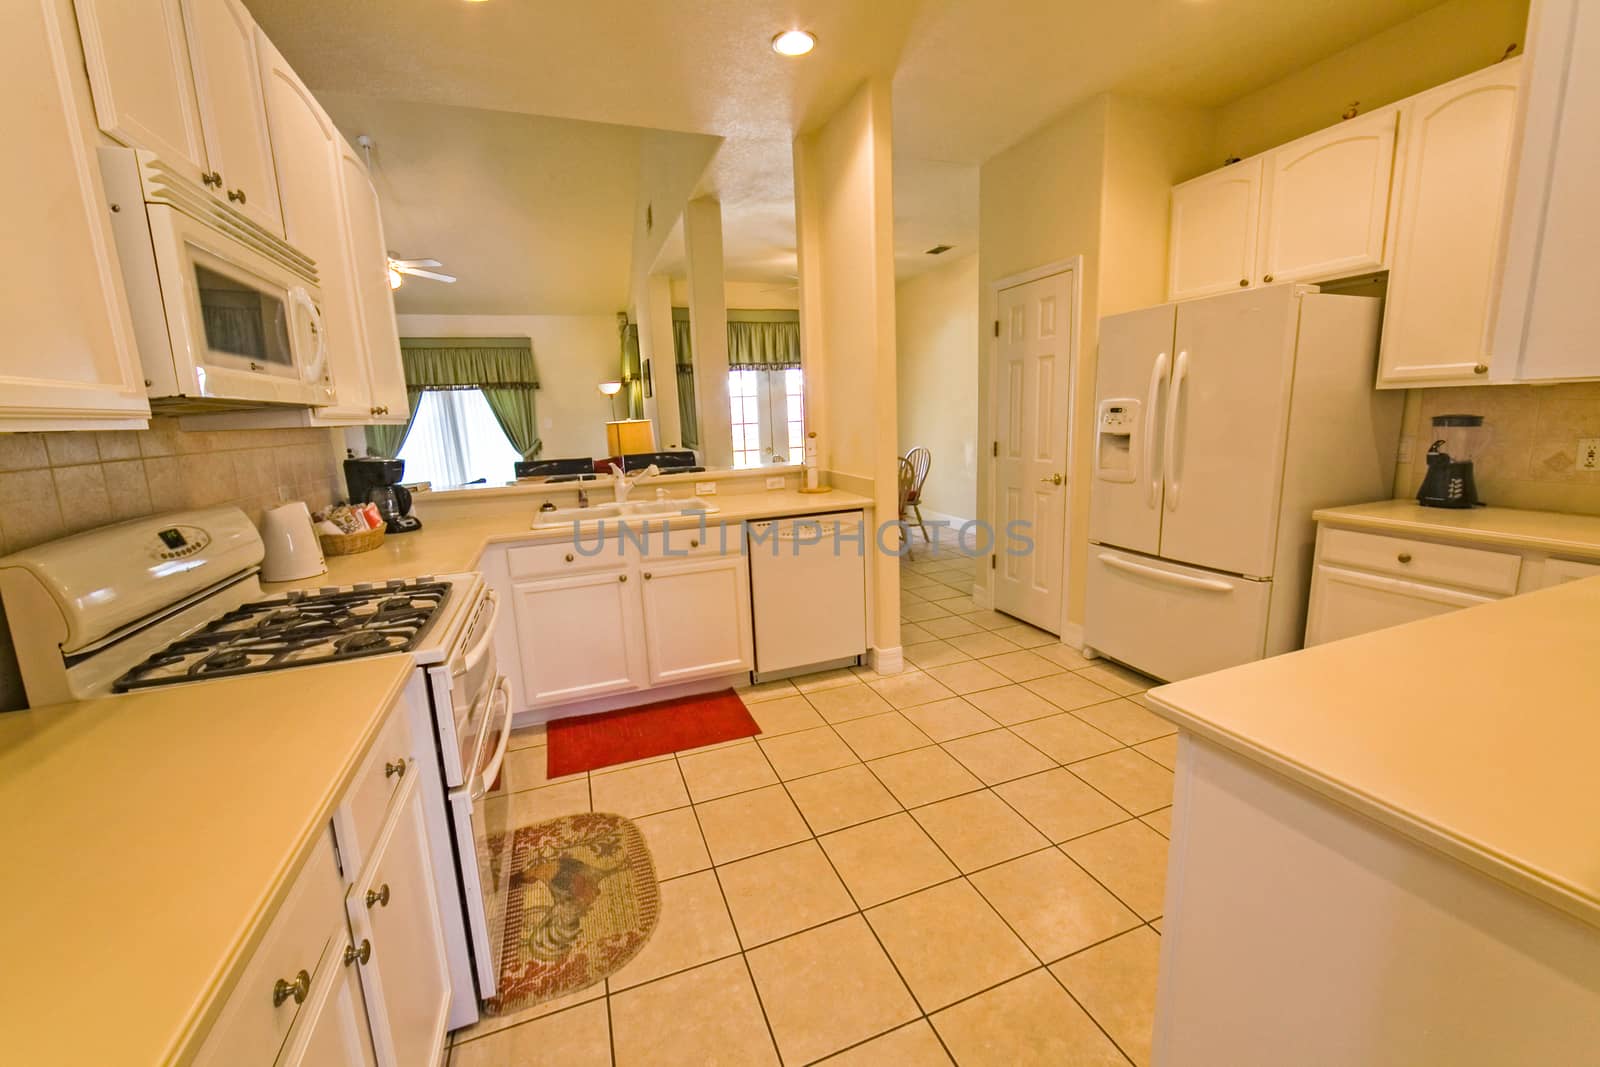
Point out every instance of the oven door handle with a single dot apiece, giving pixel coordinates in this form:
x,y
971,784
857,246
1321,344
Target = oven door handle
x,y
491,605
502,688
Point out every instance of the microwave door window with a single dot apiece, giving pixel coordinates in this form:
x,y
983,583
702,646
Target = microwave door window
x,y
241,320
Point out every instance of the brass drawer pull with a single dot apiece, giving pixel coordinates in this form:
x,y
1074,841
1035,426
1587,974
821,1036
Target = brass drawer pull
x,y
694,544
622,577
1404,557
569,557
397,769
283,989
647,576
358,954
379,896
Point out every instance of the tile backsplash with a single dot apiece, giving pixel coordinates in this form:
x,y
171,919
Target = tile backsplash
x,y
54,484
1529,457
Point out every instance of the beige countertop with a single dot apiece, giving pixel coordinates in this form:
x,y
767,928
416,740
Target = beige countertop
x,y
1476,733
148,836
1544,531
454,535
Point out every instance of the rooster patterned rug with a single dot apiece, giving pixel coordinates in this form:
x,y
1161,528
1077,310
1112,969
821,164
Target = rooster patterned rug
x,y
581,902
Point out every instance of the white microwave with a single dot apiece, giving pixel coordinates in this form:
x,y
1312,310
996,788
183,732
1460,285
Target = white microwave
x,y
226,314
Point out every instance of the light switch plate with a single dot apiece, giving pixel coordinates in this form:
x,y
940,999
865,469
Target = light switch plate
x,y
1589,453
705,488
775,482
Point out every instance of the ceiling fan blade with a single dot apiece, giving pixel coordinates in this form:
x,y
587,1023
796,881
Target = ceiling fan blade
x,y
425,274
415,262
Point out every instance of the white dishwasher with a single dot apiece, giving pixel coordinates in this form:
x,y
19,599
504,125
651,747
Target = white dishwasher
x,y
808,591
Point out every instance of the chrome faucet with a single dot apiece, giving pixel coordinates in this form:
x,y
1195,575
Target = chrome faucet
x,y
622,484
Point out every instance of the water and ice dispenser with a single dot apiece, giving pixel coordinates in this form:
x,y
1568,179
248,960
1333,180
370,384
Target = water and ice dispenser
x,y
1116,443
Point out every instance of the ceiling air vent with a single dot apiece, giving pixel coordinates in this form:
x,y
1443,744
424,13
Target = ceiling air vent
x,y
938,250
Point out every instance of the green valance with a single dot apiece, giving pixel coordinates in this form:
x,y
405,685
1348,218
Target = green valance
x,y
763,345
468,363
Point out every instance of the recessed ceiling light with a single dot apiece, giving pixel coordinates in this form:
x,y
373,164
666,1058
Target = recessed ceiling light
x,y
793,43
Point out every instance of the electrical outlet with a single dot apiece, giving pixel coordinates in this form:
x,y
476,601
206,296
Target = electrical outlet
x,y
705,488
1589,453
775,482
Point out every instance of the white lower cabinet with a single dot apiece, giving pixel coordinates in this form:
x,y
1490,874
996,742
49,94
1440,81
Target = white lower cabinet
x,y
1345,603
617,619
351,969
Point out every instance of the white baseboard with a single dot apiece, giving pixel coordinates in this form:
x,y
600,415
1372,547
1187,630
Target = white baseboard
x,y
887,660
955,522
1072,634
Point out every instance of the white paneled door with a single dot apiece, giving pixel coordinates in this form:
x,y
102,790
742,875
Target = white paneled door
x,y
1033,393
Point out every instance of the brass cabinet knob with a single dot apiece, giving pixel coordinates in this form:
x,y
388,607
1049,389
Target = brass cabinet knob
x,y
285,988
397,769
694,544
1244,283
622,577
212,178
379,896
236,195
1266,278
1481,368
569,557
358,953
647,576
1404,557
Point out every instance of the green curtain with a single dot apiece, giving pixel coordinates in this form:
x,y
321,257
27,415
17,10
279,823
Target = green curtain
x,y
763,345
387,441
632,370
683,357
501,367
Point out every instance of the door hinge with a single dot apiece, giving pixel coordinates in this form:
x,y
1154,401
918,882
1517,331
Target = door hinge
x,y
995,450
992,558
997,327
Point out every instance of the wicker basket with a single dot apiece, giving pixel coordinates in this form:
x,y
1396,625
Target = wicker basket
x,y
350,544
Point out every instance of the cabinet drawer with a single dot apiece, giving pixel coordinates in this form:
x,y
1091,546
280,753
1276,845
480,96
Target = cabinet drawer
x,y
359,820
1468,568
691,541
566,557
251,1028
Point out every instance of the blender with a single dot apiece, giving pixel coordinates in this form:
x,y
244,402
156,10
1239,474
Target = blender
x,y
1448,482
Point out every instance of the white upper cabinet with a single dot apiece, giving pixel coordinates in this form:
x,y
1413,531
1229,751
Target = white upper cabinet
x,y
69,360
306,145
1214,220
137,56
1327,202
1450,211
1549,318
227,79
369,262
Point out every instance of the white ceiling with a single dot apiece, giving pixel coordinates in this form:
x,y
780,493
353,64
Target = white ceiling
x,y
486,190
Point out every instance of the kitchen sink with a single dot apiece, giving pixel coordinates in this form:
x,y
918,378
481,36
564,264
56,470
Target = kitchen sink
x,y
632,509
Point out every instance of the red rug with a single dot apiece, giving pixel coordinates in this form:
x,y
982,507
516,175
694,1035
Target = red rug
x,y
588,742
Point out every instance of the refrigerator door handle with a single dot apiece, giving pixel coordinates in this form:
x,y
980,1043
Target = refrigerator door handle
x,y
1188,581
1180,371
1158,375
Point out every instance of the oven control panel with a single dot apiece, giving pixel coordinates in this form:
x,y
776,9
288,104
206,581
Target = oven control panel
x,y
179,542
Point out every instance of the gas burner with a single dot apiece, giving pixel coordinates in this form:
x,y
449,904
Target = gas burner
x,y
361,641
279,618
228,659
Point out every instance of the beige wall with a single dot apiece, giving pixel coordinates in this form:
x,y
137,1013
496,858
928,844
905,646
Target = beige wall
x,y
757,295
936,327
573,354
1096,182
1442,43
844,214
1530,454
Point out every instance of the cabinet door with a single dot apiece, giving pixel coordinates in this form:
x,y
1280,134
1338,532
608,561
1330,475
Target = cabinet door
x,y
1450,213
1214,220
1345,603
137,57
1548,315
1327,201
227,77
306,145
697,618
332,1028
369,261
68,360
580,636
394,920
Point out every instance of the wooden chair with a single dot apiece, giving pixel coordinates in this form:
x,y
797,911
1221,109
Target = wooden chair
x,y
919,459
907,485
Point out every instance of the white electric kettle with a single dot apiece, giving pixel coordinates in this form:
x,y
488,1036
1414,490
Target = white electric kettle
x,y
292,549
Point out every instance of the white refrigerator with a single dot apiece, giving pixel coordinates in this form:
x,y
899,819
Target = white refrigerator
x,y
1220,426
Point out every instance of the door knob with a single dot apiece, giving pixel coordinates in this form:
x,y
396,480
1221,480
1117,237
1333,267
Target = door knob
x,y
1054,479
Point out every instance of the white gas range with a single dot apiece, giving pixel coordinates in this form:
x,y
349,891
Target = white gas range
x,y
176,599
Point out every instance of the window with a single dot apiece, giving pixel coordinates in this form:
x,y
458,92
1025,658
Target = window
x,y
768,415
456,439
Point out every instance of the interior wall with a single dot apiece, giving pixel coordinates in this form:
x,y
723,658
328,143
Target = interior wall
x,y
1442,43
844,213
573,355
763,295
936,329
708,329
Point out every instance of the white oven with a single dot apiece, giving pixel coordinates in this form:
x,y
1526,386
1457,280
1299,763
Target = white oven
x,y
225,312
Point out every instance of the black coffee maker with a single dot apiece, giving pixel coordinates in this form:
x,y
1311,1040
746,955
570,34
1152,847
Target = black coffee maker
x,y
372,480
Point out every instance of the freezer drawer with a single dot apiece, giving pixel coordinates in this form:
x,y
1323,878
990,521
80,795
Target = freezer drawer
x,y
1172,621
808,590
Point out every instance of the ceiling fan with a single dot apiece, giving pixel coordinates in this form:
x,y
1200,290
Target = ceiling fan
x,y
398,268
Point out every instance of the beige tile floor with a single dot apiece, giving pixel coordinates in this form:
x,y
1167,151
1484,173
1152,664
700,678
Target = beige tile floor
x,y
963,862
